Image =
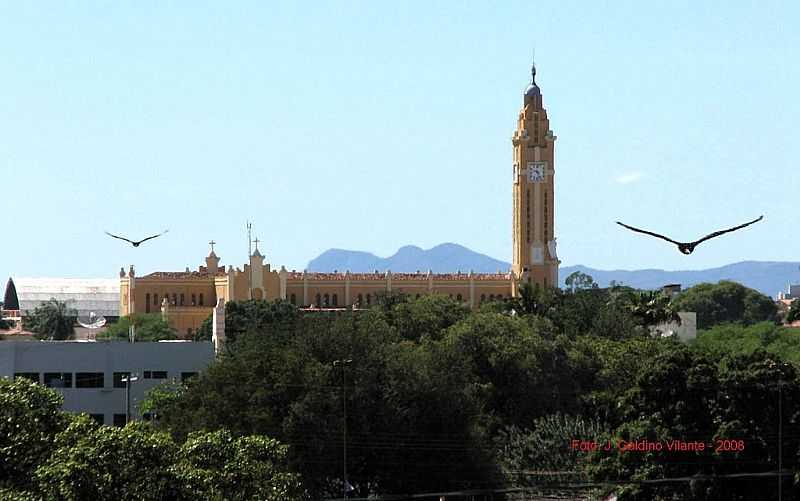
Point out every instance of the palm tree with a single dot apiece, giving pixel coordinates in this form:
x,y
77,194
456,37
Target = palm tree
x,y
652,308
52,320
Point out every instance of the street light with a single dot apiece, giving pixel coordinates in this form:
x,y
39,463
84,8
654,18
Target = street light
x,y
346,487
128,380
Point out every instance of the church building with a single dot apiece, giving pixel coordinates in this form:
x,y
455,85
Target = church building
x,y
187,298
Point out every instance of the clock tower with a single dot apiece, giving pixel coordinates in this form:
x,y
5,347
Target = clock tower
x,y
535,260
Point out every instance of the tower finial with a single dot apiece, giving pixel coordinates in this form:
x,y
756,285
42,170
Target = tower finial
x,y
533,89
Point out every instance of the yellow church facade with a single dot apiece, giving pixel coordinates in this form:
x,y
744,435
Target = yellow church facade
x,y
187,298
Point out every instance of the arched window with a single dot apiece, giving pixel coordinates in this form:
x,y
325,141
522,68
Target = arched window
x,y
417,296
174,299
335,300
201,299
491,297
147,303
189,333
293,299
458,297
369,299
194,299
319,300
360,299
155,299
483,298
181,298
326,299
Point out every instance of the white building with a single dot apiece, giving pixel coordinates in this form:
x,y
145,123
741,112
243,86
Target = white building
x,y
84,295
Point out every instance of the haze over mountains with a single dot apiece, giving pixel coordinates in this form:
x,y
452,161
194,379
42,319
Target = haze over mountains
x,y
768,277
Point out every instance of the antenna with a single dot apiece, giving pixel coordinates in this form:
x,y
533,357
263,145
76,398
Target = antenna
x,y
249,253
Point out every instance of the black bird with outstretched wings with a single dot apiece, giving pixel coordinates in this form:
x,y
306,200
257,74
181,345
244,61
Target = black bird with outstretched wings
x,y
136,243
688,247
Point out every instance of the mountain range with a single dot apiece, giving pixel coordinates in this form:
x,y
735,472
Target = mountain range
x,y
768,277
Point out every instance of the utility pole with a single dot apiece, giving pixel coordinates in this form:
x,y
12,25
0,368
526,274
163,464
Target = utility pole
x,y
249,253
128,380
344,363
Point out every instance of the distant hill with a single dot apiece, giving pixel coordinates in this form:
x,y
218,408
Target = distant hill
x,y
443,258
768,277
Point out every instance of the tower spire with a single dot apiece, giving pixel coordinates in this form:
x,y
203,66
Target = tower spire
x,y
533,89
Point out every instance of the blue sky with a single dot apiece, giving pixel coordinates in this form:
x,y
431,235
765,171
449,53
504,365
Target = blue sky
x,y
372,125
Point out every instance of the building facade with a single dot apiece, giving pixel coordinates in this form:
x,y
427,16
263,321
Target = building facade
x,y
90,375
187,298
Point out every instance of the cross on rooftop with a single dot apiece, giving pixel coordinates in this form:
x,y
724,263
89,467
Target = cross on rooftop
x,y
212,245
256,242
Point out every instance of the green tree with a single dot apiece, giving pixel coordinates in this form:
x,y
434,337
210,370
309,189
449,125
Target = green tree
x,y
206,330
52,320
149,327
257,315
651,308
218,466
282,382
794,312
90,461
4,324
578,281
546,446
725,301
30,418
426,317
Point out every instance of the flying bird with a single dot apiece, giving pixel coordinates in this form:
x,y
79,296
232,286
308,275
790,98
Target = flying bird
x,y
136,243
688,247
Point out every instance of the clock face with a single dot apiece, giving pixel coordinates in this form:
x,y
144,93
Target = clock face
x,y
536,172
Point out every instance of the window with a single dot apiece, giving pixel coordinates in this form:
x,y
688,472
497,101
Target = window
x,y
189,332
201,299
483,298
360,299
335,300
491,297
293,299
181,298
458,297
174,299
147,303
118,382
155,374
155,300
187,375
369,299
319,300
33,376
194,299
326,299
58,379
417,296
89,380
120,420
99,418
